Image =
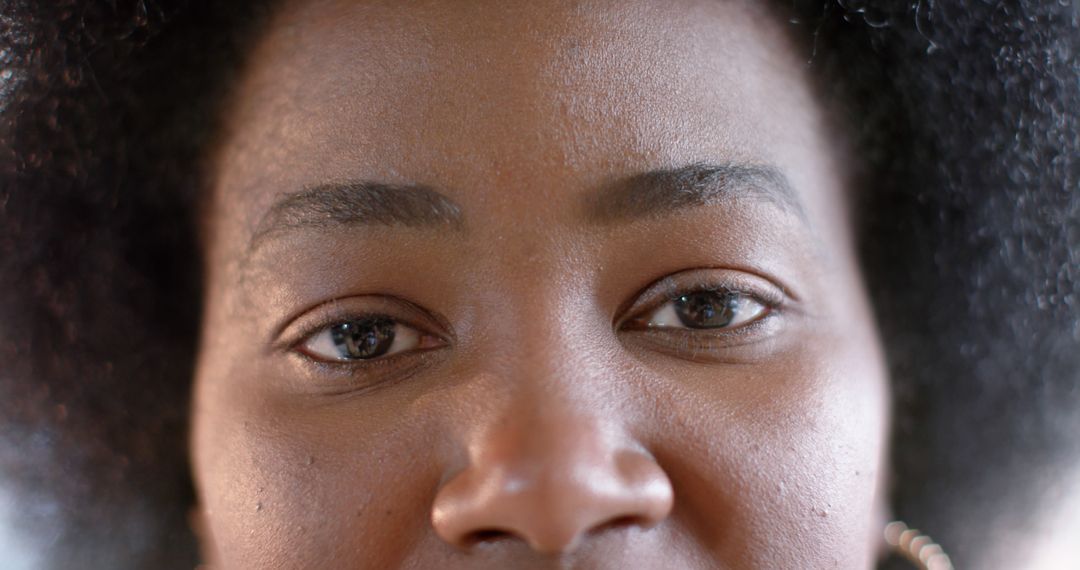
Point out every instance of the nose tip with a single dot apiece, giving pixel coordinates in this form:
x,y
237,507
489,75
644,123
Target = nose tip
x,y
552,505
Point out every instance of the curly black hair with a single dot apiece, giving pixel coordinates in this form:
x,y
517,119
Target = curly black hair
x,y
965,117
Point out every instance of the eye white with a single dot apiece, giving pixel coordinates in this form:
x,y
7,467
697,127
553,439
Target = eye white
x,y
322,344
745,309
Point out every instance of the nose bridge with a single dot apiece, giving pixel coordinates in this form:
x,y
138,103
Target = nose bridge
x,y
544,440
551,365
548,336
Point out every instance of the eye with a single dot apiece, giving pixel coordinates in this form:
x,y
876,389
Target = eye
x,y
710,315
364,338
705,310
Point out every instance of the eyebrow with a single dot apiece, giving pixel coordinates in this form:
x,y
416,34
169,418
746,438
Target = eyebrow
x,y
358,203
645,195
661,192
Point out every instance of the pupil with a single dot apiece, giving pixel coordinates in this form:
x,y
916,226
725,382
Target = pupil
x,y
707,309
363,339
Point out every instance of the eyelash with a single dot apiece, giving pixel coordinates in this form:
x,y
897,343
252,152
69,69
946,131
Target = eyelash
x,y
672,287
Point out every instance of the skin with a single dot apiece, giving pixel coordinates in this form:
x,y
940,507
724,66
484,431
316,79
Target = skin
x,y
536,422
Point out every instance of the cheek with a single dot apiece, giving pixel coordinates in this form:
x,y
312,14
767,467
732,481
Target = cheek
x,y
296,486
779,467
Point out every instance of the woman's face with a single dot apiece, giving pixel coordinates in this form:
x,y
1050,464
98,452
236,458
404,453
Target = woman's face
x,y
534,285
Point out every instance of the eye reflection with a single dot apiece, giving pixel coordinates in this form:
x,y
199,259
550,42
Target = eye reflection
x,y
706,310
362,339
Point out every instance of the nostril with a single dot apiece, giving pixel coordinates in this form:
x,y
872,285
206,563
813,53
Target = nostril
x,y
483,536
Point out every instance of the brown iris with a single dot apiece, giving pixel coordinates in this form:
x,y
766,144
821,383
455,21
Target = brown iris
x,y
707,309
363,339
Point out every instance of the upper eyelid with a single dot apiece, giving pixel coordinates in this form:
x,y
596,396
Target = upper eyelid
x,y
770,298
676,293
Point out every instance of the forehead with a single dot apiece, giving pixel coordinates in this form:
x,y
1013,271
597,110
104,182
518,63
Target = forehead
x,y
504,101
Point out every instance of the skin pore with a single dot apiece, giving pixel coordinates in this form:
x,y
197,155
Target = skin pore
x,y
610,243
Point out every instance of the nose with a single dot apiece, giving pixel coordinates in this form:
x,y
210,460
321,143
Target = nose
x,y
550,481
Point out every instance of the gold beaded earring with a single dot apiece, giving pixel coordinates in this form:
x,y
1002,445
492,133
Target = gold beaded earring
x,y
916,548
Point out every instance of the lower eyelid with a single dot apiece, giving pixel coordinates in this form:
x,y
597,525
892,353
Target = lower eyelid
x,y
760,328
323,378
